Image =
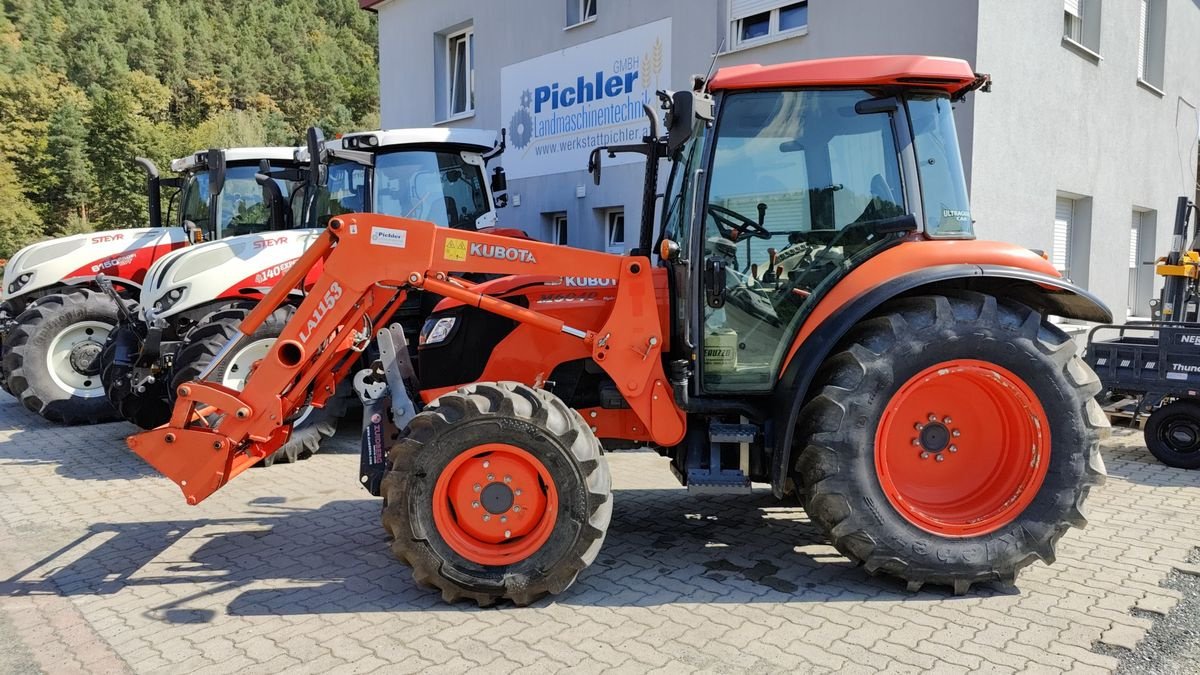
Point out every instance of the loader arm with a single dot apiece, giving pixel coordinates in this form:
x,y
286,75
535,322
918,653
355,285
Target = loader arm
x,y
370,262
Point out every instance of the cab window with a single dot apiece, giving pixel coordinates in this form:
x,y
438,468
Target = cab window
x,y
440,187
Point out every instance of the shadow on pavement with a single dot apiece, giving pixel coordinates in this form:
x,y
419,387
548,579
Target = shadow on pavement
x,y
1127,458
664,547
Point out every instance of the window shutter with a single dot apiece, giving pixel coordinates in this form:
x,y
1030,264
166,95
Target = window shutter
x,y
1133,240
1072,7
1060,252
1143,26
739,9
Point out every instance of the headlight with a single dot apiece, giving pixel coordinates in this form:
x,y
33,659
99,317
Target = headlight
x,y
19,283
436,330
167,301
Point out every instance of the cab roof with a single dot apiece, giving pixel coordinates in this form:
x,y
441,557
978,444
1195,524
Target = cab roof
x,y
474,139
199,159
928,72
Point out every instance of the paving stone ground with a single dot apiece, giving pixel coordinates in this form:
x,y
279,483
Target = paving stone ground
x,y
104,569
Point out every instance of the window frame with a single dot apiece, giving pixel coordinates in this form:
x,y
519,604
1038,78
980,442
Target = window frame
x,y
577,13
609,221
559,228
1089,17
1151,58
774,33
467,37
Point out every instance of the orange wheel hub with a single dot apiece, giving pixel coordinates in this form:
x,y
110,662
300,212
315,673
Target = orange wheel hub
x,y
495,504
963,448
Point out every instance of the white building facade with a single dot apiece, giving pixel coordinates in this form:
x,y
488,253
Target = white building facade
x,y
1081,149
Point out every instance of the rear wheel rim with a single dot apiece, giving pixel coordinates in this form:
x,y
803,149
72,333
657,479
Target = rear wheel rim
x,y
1180,433
963,448
73,359
495,504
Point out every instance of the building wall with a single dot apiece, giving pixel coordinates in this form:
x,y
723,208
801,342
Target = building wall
x,y
1060,121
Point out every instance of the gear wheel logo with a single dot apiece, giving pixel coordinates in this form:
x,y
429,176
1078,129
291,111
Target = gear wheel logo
x,y
526,99
522,128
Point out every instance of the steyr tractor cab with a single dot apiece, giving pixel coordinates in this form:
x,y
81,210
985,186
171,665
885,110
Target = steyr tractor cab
x,y
54,320
820,319
195,299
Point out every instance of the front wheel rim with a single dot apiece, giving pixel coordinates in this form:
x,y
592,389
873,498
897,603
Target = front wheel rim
x,y
73,358
1180,433
495,504
243,362
963,448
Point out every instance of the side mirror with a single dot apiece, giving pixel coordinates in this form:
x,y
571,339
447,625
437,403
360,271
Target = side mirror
x,y
714,282
499,180
216,171
593,166
316,164
679,120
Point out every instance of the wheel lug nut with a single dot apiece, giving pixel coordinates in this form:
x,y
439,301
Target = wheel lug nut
x,y
508,479
477,488
507,534
491,477
924,455
486,517
486,464
516,509
932,417
953,448
504,519
919,426
940,458
916,441
474,505
517,492
947,420
956,433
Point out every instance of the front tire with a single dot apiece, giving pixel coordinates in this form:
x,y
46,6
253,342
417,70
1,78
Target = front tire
x,y
53,356
1173,434
951,440
498,491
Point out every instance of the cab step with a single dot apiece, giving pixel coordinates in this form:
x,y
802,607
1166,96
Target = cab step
x,y
716,478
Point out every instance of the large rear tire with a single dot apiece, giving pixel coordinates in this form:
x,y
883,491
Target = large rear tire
x,y
9,311
53,356
200,346
148,407
951,440
1173,434
497,491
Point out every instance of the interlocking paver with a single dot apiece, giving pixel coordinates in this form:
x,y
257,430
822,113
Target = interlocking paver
x,y
106,570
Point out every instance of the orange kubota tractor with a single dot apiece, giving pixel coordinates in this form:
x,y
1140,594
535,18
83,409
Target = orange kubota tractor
x,y
819,318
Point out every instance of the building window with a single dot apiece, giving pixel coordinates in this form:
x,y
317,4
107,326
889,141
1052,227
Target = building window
x,y
752,21
580,11
1141,262
1151,38
460,71
559,233
615,227
1081,25
1071,239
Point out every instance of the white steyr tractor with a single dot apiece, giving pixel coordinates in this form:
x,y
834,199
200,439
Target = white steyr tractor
x,y
54,320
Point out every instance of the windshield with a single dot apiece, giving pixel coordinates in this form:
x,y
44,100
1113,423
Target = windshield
x,y
943,187
677,209
242,207
345,191
440,187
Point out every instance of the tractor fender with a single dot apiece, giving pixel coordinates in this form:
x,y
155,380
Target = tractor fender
x,y
1049,294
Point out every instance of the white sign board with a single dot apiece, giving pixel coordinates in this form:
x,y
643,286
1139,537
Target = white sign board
x,y
559,106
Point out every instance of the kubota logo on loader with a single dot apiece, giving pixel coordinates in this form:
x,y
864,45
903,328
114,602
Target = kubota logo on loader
x,y
331,297
510,253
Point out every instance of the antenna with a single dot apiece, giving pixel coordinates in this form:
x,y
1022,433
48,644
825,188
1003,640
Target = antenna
x,y
713,66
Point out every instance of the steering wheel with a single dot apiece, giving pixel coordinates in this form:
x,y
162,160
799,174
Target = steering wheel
x,y
733,225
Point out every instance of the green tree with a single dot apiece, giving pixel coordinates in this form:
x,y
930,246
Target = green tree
x,y
113,142
70,183
19,222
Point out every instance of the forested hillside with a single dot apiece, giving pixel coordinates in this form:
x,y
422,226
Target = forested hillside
x,y
86,85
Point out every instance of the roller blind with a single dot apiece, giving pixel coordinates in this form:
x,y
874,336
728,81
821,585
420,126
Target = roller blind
x,y
739,9
1060,251
1072,7
1133,240
1143,25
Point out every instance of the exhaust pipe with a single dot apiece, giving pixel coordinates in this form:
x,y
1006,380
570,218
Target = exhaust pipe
x,y
153,190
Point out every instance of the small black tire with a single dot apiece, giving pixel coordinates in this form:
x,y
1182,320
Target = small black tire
x,y
1173,434
837,471
148,408
203,343
9,311
534,421
28,357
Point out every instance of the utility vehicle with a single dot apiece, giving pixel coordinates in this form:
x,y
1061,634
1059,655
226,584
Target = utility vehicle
x,y
899,377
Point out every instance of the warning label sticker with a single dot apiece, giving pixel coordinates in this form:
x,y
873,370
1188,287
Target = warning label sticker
x,y
456,249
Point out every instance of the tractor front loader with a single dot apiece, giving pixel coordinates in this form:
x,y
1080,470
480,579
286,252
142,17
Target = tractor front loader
x,y
819,318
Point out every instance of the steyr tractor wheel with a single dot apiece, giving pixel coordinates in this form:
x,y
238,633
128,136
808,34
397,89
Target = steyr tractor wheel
x,y
53,356
951,440
147,406
309,428
1173,434
497,491
9,311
